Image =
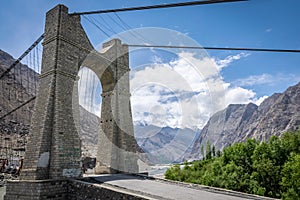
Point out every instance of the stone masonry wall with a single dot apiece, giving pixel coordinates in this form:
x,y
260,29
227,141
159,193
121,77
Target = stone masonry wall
x,y
54,144
64,190
37,190
85,191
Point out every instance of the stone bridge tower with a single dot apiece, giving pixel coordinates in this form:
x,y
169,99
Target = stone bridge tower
x,y
53,153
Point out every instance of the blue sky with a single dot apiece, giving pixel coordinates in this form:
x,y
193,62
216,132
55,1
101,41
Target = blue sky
x,y
253,24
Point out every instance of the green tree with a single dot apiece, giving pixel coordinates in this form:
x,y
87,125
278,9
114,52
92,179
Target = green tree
x,y
208,150
234,178
212,176
291,178
219,153
270,169
213,151
202,151
265,171
173,173
291,142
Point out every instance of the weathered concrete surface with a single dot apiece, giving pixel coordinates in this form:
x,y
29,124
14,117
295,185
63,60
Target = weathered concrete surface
x,y
157,189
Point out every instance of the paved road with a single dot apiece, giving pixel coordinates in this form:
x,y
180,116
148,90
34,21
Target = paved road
x,y
163,190
2,192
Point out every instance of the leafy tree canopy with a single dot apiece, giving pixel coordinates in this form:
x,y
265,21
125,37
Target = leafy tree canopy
x,y
269,169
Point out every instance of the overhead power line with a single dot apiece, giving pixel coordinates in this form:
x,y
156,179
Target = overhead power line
x,y
216,48
22,56
191,3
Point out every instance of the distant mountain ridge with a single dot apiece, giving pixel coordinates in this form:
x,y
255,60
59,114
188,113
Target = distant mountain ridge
x,y
156,145
277,114
164,145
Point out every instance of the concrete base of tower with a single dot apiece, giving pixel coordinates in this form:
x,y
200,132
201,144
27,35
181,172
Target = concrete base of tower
x,y
101,169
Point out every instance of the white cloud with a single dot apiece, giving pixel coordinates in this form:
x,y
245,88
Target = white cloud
x,y
184,92
229,59
260,100
266,79
268,30
239,95
255,80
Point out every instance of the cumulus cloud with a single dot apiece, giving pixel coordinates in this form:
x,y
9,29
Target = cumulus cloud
x,y
239,95
181,93
184,92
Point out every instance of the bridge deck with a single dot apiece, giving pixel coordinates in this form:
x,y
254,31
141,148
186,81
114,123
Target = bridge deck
x,y
159,189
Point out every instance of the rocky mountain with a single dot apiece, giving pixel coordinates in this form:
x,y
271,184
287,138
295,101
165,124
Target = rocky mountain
x,y
164,145
17,86
89,124
277,114
156,145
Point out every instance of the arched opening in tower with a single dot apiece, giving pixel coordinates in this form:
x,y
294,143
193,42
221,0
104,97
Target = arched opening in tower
x,y
90,100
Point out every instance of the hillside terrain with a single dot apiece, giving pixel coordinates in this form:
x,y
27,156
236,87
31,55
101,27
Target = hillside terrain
x,y
275,115
16,87
164,145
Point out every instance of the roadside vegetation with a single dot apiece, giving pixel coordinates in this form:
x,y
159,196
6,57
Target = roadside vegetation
x,y
269,169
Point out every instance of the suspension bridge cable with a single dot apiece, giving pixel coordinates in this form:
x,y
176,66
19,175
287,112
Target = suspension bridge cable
x,y
172,5
102,25
217,48
18,107
92,22
22,56
34,66
92,97
108,27
131,32
123,26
